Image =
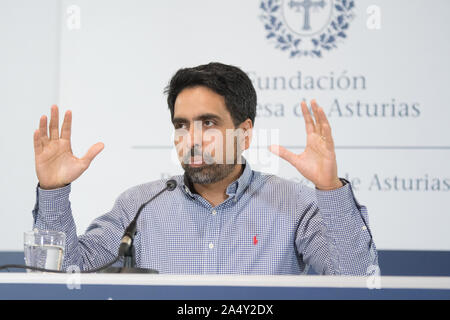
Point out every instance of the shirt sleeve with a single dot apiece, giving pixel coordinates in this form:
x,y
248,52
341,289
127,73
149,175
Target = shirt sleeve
x,y
97,247
333,236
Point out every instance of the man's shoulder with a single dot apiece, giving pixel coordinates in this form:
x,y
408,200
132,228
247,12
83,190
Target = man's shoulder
x,y
274,182
283,194
148,189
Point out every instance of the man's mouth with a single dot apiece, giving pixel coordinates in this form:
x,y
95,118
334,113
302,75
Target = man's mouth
x,y
196,161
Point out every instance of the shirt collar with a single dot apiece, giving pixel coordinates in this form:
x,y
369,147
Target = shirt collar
x,y
236,188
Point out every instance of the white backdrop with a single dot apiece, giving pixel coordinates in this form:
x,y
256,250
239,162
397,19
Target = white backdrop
x,y
109,61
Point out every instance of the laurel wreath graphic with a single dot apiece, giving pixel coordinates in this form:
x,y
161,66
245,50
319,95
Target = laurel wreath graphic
x,y
286,41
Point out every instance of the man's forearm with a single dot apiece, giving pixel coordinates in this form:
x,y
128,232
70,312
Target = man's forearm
x,y
97,246
53,212
346,224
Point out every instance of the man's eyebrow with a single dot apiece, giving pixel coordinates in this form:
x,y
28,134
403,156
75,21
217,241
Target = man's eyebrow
x,y
202,117
208,116
179,120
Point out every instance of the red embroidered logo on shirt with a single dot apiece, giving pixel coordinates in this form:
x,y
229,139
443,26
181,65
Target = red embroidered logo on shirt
x,y
255,241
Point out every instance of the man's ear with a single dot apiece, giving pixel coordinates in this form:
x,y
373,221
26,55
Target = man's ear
x,y
247,129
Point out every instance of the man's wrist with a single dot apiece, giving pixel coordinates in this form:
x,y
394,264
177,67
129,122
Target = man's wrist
x,y
44,187
339,183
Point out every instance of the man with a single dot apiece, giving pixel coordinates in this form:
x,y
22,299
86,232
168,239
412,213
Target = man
x,y
223,217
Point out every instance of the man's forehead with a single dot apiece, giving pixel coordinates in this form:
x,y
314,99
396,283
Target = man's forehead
x,y
194,102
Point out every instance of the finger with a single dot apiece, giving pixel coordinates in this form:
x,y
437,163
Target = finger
x,y
66,128
54,123
283,153
43,129
315,109
309,122
326,128
38,145
93,152
324,121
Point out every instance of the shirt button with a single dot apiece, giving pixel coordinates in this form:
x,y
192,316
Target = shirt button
x,y
211,245
364,228
234,199
214,212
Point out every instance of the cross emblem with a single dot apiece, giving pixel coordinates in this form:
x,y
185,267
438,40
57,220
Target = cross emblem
x,y
306,5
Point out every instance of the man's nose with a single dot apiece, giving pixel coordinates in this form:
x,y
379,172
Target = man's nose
x,y
195,135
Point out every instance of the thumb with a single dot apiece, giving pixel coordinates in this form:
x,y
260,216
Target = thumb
x,y
283,153
93,152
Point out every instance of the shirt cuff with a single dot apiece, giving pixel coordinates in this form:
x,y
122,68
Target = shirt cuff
x,y
337,203
54,200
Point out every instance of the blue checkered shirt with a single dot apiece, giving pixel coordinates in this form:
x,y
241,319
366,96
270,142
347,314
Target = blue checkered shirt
x,y
267,225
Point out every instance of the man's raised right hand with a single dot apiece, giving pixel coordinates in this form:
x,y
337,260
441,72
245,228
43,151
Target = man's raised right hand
x,y
56,166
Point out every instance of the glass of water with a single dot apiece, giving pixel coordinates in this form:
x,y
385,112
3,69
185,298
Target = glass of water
x,y
44,249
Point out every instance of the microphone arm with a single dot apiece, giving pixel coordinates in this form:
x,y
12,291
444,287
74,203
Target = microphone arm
x,y
126,248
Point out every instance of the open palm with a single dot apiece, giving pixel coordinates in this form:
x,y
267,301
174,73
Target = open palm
x,y
56,166
317,162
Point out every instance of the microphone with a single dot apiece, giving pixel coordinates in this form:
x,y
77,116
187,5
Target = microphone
x,y
126,248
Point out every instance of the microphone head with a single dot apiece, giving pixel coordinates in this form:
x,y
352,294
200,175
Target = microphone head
x,y
171,184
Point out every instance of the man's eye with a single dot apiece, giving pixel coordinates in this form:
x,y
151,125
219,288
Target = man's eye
x,y
180,126
208,123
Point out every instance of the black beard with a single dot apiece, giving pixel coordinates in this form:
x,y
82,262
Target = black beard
x,y
208,173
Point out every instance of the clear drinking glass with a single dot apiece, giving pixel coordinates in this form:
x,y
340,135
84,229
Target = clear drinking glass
x,y
44,249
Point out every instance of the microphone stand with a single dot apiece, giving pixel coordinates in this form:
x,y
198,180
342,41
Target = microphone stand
x,y
126,248
129,264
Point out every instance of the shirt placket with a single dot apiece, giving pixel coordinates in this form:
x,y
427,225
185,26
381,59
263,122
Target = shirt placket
x,y
212,240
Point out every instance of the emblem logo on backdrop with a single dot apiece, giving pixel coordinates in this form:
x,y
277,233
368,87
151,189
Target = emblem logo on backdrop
x,y
306,27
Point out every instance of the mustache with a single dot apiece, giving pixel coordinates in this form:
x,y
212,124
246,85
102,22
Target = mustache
x,y
197,152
